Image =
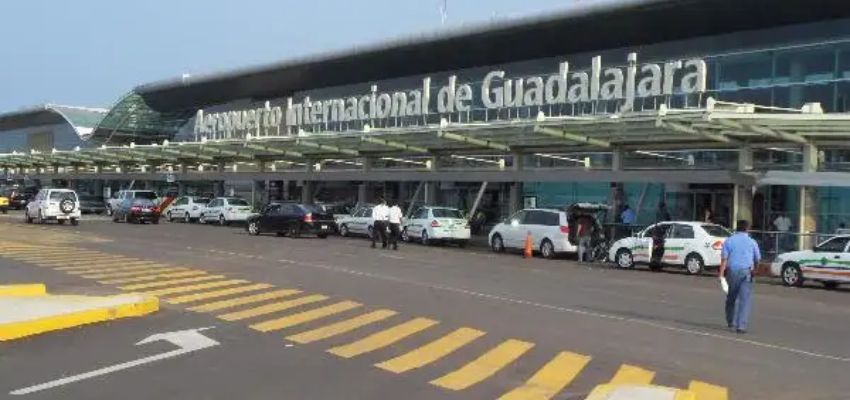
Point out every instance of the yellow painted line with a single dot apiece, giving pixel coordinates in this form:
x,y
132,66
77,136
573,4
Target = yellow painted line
x,y
68,257
152,269
149,285
41,252
104,265
37,255
548,381
85,260
126,268
273,307
241,301
632,375
341,327
303,317
383,338
484,366
218,293
707,391
28,289
146,278
432,351
193,288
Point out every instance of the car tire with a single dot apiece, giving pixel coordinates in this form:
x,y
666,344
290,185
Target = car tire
x,y
497,244
624,259
75,221
547,249
169,217
343,230
426,241
201,219
831,285
294,231
694,264
253,228
60,221
792,275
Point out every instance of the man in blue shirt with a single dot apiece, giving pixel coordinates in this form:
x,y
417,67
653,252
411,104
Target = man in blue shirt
x,y
738,259
628,215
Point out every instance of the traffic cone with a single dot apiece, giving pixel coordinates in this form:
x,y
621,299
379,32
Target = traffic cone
x,y
527,250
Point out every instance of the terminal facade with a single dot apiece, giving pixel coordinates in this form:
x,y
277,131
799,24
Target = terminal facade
x,y
695,104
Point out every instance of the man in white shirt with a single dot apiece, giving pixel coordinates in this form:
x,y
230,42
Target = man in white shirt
x,y
395,224
783,224
380,217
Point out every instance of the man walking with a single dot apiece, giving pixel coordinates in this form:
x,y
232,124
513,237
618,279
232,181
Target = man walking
x,y
395,224
738,259
380,215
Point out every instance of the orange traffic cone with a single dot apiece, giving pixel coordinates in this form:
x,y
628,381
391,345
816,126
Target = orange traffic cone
x,y
527,250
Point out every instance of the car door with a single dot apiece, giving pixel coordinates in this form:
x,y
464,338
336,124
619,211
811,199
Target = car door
x,y
515,230
415,225
179,207
211,212
291,216
679,244
642,246
534,224
270,218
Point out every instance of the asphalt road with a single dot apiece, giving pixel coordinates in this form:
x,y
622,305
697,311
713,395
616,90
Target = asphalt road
x,y
418,323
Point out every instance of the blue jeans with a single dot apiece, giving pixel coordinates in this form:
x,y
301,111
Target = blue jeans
x,y
738,303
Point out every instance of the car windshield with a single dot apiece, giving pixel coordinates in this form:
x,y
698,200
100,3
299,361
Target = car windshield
x,y
237,202
446,213
716,231
145,195
62,195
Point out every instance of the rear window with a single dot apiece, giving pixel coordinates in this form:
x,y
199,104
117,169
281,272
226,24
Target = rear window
x,y
201,200
237,202
62,195
313,209
145,195
446,213
716,231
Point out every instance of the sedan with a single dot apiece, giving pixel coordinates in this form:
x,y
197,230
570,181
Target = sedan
x,y
692,245
437,224
828,263
136,210
291,219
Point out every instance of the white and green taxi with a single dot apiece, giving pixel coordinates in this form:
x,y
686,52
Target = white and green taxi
x,y
692,245
828,263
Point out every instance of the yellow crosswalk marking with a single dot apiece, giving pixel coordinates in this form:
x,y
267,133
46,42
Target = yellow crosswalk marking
x,y
152,269
241,301
484,366
42,251
193,288
551,379
630,374
125,268
218,293
383,338
303,317
341,327
90,261
172,282
146,278
432,351
273,307
70,256
707,391
99,266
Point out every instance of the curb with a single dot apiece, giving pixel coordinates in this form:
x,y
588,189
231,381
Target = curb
x,y
29,289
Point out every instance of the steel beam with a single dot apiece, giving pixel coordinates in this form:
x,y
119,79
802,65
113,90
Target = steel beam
x,y
675,126
572,137
273,150
763,130
393,144
326,147
473,141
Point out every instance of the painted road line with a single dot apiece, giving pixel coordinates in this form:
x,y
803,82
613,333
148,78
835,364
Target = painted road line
x,y
218,293
153,269
432,351
146,278
341,327
172,282
303,317
41,255
632,375
484,366
241,301
383,338
125,268
194,288
105,264
271,308
86,260
707,391
48,259
548,381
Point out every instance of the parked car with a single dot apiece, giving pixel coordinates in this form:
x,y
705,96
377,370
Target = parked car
x,y
436,224
338,210
291,219
359,222
187,208
122,196
20,197
92,204
549,228
138,210
58,205
226,210
691,245
828,263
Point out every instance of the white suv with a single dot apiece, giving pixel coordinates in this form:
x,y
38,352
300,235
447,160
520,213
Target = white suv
x,y
549,229
125,195
54,204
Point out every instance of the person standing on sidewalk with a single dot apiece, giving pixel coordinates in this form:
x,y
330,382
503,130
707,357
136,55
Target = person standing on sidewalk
x,y
584,238
380,215
395,224
738,259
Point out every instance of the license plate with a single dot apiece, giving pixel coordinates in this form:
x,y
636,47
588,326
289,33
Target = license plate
x,y
324,227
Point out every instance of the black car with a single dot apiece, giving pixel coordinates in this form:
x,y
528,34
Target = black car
x,y
291,219
19,197
92,204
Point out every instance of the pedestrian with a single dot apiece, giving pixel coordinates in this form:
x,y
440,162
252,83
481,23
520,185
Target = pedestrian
x,y
628,216
662,214
395,224
783,226
738,259
708,216
380,216
584,235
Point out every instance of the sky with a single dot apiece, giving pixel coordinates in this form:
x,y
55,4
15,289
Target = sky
x,y
91,52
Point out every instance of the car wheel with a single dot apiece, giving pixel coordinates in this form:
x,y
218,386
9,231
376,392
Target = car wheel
x,y
405,237
497,244
547,249
694,264
222,221
831,285
169,217
75,222
61,222
625,259
186,218
792,275
27,217
425,239
294,231
201,219
254,228
343,230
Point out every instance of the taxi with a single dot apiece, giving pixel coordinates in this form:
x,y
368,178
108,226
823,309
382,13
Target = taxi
x,y
688,244
4,203
828,263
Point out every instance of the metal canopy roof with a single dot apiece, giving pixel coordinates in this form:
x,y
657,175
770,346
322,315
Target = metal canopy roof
x,y
82,119
719,125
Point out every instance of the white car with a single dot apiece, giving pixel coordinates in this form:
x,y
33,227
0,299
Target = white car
x,y
692,245
828,263
549,228
58,205
225,210
125,195
436,224
186,208
360,222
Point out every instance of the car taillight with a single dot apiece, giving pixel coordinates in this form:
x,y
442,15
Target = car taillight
x,y
717,245
565,229
135,209
308,218
435,223
156,209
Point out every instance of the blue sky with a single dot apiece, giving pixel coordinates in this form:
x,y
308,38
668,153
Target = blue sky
x,y
90,52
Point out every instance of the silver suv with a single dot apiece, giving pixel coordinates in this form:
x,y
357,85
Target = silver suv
x,y
58,205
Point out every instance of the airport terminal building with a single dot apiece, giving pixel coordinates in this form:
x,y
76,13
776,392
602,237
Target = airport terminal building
x,y
705,104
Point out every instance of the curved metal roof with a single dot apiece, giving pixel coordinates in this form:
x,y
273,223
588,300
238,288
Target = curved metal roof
x,y
82,119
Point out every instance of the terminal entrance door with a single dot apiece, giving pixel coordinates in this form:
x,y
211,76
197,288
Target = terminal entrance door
x,y
692,202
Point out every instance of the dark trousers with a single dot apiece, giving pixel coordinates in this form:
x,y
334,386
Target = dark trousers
x,y
394,233
379,231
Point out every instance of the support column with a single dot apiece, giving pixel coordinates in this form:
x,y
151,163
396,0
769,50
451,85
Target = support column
x,y
617,198
742,202
431,197
364,195
307,192
514,197
258,193
808,200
